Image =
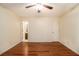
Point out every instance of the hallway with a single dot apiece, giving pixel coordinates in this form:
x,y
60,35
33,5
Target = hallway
x,y
40,49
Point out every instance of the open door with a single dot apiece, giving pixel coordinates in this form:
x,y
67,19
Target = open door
x,y
25,31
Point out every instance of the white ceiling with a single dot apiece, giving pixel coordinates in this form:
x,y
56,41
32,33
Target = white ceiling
x,y
58,9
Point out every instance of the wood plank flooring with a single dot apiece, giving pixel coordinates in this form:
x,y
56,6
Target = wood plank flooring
x,y
40,49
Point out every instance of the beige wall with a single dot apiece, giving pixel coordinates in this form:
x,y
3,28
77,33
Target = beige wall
x,y
9,29
43,29
69,29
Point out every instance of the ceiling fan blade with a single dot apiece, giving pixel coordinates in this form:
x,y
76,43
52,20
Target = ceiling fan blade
x,y
29,6
49,7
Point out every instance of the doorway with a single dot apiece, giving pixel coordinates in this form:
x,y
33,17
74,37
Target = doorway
x,y
25,31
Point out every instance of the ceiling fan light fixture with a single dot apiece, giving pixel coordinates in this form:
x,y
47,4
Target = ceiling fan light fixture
x,y
39,11
39,7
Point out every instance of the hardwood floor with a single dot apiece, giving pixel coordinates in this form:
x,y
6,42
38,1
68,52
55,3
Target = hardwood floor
x,y
19,50
40,49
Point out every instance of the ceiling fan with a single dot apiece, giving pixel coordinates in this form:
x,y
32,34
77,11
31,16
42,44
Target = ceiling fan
x,y
44,5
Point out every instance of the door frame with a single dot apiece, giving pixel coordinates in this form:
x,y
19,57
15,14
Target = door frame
x,y
24,29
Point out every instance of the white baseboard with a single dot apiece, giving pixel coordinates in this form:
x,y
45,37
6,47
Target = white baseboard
x,y
69,47
9,48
